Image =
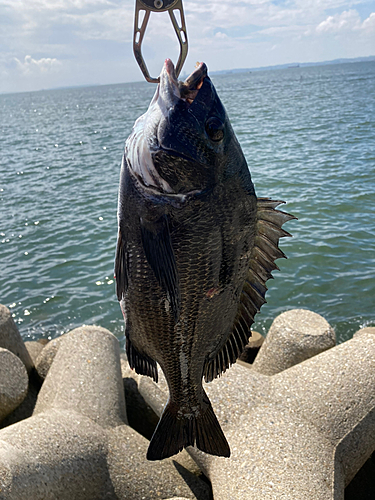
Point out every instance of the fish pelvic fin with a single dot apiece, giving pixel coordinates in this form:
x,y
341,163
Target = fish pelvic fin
x,y
262,262
175,432
121,271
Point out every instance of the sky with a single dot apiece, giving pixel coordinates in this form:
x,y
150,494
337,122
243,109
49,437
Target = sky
x,y
58,43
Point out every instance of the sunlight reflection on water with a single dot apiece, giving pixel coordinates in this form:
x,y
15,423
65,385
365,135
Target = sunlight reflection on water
x,y
309,138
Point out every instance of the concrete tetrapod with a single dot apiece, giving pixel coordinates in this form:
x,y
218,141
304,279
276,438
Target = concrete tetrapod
x,y
367,329
45,358
13,382
11,339
77,444
85,376
303,433
34,348
294,336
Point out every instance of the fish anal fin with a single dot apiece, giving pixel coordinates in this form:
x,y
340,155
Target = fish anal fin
x,y
157,244
141,363
233,347
175,432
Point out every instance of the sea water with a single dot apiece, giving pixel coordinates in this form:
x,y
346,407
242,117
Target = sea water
x,y
308,135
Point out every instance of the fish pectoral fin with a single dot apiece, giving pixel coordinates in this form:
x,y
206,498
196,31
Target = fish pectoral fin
x,y
121,271
262,262
157,244
175,432
141,363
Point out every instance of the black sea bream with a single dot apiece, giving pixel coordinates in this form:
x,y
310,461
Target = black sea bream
x,y
195,248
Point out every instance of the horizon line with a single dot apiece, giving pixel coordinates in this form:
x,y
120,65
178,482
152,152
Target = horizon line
x,y
346,60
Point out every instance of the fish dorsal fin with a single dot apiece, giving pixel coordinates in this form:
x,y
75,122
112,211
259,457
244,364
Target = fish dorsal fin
x,y
262,262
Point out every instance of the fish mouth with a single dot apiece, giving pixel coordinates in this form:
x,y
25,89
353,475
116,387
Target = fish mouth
x,y
147,137
172,90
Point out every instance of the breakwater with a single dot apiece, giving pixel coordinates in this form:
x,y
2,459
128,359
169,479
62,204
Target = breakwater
x,y
76,420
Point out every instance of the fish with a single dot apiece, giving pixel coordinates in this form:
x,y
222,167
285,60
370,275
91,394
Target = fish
x,y
195,248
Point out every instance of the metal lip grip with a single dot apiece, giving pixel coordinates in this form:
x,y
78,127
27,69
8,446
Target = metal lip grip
x,y
159,6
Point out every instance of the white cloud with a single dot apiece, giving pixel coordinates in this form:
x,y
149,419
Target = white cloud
x,y
346,21
368,24
54,5
90,41
36,66
90,19
113,24
221,35
284,31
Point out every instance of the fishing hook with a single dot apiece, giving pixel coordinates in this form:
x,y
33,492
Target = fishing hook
x,y
148,6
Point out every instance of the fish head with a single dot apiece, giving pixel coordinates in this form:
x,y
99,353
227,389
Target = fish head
x,y
193,125
187,140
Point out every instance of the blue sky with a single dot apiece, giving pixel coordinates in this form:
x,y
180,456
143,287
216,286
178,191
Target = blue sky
x,y
51,43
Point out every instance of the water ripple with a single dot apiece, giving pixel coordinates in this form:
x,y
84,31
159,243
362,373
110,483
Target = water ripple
x,y
308,135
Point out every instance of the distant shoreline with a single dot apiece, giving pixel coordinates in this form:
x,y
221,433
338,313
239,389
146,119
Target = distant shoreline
x,y
294,65
215,73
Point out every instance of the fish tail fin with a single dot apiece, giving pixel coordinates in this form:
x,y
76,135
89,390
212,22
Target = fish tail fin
x,y
174,433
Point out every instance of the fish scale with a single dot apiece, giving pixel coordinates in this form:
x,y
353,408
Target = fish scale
x,y
194,251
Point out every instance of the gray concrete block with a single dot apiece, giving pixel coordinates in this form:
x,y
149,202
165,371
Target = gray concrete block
x,y
26,408
294,336
136,478
76,445
367,329
335,390
63,455
11,339
13,382
85,376
58,455
303,433
34,348
45,358
274,455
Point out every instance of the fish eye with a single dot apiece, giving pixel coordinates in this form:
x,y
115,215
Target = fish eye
x,y
215,129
